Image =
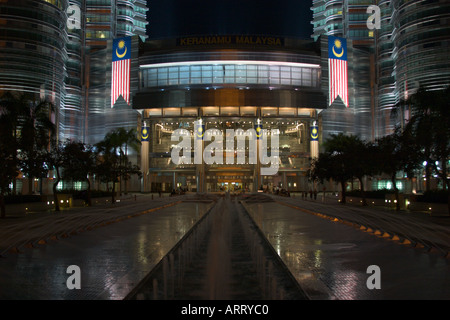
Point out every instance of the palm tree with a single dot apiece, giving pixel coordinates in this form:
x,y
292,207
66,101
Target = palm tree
x,y
54,157
429,124
112,160
14,108
37,130
336,162
78,164
8,160
397,152
127,138
363,155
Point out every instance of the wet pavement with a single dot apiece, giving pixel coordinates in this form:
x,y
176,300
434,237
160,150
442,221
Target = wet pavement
x,y
330,259
112,258
223,257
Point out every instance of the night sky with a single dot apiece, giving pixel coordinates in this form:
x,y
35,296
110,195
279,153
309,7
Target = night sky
x,y
172,18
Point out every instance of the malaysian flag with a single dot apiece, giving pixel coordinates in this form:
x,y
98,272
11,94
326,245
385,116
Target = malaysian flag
x,y
120,75
199,131
314,133
145,134
337,66
259,131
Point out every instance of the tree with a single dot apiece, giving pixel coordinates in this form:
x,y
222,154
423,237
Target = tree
x,y
78,164
13,110
336,162
363,155
123,139
37,130
429,124
397,152
54,158
112,162
8,163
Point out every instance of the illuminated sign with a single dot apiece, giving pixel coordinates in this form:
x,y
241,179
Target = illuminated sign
x,y
239,40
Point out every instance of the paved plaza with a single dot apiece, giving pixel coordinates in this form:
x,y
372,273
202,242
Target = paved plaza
x,y
115,247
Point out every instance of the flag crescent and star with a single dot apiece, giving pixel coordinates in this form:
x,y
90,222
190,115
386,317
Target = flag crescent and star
x,y
120,73
145,134
314,133
337,69
259,132
200,131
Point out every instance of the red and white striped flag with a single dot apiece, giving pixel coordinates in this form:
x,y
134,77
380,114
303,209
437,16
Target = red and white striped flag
x,y
337,66
120,73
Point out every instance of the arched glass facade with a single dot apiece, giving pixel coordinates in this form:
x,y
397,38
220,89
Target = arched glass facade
x,y
219,73
228,88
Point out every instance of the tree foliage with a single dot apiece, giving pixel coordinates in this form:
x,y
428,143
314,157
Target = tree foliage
x,y
112,160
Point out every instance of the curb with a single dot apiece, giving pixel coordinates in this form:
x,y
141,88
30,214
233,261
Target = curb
x,y
376,232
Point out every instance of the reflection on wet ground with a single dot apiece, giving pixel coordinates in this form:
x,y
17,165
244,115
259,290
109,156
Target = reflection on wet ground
x,y
112,259
330,260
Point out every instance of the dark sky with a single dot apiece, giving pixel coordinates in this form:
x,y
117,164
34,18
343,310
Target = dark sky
x,y
172,18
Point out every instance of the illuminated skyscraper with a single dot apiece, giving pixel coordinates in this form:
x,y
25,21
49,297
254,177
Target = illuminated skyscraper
x,y
85,114
347,18
421,46
411,49
33,52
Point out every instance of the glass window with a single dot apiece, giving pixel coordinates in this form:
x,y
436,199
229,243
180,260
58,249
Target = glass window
x,y
218,73
172,112
231,73
274,74
285,75
196,74
306,77
263,74
207,74
315,82
229,111
241,72
248,111
173,75
189,111
154,112
162,76
287,111
252,71
210,111
269,111
184,75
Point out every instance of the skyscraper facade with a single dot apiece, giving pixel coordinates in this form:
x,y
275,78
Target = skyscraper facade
x,y
347,18
44,53
421,41
107,20
87,108
33,49
410,49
